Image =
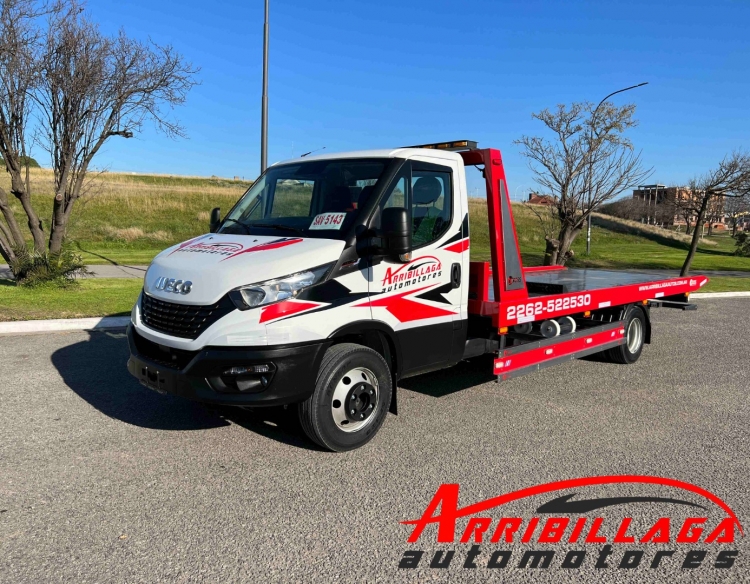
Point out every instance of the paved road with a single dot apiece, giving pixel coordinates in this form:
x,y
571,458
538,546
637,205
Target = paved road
x,y
102,480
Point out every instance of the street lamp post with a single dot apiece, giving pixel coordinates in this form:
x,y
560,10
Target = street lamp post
x,y
591,163
264,105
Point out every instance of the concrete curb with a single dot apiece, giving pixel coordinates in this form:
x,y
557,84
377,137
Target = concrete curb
x,y
64,324
720,295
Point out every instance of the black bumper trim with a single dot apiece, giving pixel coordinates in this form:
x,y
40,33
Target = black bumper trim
x,y
293,380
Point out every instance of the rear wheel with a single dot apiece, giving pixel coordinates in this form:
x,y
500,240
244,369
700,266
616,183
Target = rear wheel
x,y
351,398
635,336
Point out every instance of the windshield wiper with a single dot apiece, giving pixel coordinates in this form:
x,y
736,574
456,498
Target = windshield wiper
x,y
245,225
278,226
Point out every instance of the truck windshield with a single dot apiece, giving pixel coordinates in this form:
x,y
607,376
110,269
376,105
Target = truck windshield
x,y
320,198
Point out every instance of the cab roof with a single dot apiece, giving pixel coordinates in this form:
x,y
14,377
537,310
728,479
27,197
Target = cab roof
x,y
383,153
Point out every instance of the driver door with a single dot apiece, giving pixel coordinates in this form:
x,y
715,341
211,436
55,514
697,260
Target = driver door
x,y
420,297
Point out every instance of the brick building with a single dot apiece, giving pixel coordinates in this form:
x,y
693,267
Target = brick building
x,y
663,205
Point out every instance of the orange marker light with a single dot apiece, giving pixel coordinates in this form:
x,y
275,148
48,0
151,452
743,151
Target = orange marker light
x,y
503,330
587,313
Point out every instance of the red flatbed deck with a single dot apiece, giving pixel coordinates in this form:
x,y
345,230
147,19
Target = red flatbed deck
x,y
556,292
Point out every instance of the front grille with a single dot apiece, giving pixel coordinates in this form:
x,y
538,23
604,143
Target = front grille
x,y
182,320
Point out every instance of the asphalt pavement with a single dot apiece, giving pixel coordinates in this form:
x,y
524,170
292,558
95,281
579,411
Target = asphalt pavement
x,y
102,480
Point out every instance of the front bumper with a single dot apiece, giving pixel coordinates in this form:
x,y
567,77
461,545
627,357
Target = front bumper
x,y
197,375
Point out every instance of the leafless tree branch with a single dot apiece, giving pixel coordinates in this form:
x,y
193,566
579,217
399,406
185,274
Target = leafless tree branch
x,y
587,162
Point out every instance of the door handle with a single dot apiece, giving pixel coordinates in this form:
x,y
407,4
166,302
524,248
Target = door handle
x,y
456,275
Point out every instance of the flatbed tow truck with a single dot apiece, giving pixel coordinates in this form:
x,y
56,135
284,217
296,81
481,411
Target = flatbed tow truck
x,y
337,275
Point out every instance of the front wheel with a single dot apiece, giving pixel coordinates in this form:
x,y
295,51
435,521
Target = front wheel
x,y
351,398
635,336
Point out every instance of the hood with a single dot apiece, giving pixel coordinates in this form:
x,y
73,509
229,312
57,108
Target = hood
x,y
217,263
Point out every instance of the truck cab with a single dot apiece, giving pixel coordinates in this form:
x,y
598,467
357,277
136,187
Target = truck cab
x,y
335,276
367,250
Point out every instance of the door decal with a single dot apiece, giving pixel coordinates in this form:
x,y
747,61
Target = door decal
x,y
406,309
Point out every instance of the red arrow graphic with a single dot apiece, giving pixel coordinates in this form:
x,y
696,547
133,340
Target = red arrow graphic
x,y
405,309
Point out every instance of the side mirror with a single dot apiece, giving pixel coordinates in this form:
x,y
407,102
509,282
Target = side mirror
x,y
215,220
393,239
396,230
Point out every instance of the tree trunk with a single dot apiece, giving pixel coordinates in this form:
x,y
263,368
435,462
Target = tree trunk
x,y
696,238
6,250
57,235
550,253
57,228
15,237
567,236
18,189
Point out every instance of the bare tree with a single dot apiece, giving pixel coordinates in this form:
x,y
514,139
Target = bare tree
x,y
588,163
729,180
84,88
735,209
19,74
683,205
93,88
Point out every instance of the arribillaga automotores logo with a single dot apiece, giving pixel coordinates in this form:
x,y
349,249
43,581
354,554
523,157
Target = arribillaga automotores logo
x,y
230,249
685,527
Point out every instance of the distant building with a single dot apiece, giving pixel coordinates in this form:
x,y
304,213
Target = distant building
x,y
661,206
537,199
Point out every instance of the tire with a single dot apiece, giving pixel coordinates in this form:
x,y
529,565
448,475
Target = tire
x,y
359,379
635,335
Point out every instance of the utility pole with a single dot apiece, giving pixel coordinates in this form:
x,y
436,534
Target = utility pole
x,y
264,106
593,119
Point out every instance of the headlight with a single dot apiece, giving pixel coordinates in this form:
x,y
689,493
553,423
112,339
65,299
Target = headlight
x,y
277,290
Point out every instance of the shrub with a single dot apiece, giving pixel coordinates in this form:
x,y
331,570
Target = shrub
x,y
25,161
743,244
31,268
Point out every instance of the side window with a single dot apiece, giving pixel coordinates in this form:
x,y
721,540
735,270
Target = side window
x,y
431,208
397,197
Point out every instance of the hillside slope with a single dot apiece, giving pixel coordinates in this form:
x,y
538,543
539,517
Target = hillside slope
x,y
129,218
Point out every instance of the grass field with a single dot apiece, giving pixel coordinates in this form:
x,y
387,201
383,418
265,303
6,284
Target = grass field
x,y
629,246
128,219
91,297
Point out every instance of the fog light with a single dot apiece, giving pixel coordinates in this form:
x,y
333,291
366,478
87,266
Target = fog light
x,y
245,369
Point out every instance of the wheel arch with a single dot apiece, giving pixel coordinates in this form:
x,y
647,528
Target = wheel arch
x,y
379,337
646,315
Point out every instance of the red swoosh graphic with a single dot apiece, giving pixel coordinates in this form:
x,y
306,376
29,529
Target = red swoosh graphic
x,y
265,246
286,308
188,242
459,246
583,482
406,309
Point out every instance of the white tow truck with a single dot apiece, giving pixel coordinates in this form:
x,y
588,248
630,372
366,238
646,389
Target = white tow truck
x,y
335,276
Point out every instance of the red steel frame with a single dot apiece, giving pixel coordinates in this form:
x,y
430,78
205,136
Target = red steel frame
x,y
523,359
510,307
